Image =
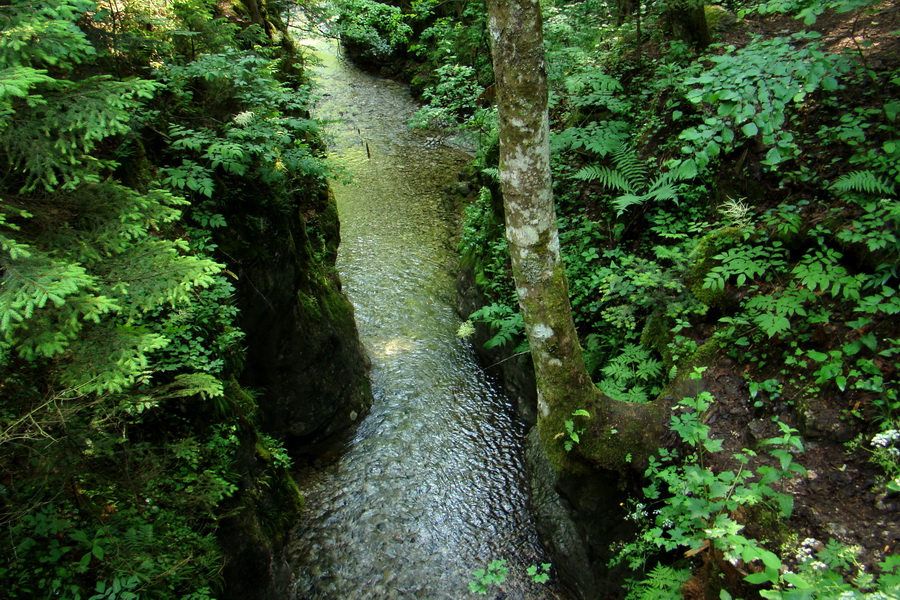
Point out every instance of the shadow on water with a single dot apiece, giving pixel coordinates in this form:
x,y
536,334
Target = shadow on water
x,y
430,486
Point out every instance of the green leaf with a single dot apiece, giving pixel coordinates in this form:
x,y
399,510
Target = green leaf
x,y
750,129
773,157
841,382
796,580
817,356
785,505
869,341
758,578
712,445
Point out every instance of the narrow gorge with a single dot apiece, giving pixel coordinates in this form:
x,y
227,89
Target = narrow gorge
x,y
431,485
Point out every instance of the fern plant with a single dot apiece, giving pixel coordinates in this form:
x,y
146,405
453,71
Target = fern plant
x,y
595,88
863,181
632,376
506,324
661,583
601,138
631,177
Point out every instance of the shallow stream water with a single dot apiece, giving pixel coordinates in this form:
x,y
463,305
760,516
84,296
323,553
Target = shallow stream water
x,y
430,486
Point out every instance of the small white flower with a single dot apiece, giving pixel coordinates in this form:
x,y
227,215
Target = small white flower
x,y
465,330
244,118
886,438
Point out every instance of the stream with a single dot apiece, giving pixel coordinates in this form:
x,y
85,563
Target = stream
x,y
431,485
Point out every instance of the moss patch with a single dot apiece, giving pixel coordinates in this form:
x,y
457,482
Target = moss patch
x,y
703,261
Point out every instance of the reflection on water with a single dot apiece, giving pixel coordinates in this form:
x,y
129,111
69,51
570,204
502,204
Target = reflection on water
x,y
430,486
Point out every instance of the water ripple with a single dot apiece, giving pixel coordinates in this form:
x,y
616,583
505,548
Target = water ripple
x,y
431,486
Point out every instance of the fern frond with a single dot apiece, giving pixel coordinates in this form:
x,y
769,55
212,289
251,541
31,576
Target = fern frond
x,y
862,181
666,191
618,369
662,583
604,142
493,173
648,369
626,201
600,138
595,88
631,166
607,177
138,539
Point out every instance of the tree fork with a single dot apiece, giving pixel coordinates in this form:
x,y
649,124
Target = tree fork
x,y
619,432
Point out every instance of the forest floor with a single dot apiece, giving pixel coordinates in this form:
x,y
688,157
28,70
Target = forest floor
x,y
839,498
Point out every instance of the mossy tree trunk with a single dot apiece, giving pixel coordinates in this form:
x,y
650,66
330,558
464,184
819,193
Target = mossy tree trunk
x,y
688,21
257,10
617,429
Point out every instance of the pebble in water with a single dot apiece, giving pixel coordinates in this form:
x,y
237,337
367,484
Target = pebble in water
x,y
431,485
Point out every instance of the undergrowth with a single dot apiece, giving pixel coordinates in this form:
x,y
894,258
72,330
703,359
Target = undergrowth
x,y
123,127
736,201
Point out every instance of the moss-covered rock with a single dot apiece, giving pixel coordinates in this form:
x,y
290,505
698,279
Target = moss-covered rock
x,y
253,533
703,261
303,347
718,17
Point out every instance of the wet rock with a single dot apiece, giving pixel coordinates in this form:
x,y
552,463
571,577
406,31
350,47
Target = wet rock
x,y
254,536
818,419
303,347
759,429
578,519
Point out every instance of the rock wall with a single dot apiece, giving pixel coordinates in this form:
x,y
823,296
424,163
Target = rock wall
x,y
254,534
305,362
303,348
515,373
579,517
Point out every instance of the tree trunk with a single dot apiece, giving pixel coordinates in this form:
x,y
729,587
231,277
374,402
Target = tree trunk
x,y
618,432
257,15
688,21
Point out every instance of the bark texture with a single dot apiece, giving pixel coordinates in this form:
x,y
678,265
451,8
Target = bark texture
x,y
618,429
257,10
688,21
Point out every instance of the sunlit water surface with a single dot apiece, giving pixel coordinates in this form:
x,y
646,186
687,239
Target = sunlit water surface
x,y
430,486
